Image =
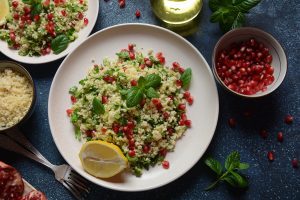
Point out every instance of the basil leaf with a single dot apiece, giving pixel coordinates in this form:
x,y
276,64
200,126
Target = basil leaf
x,y
78,133
151,93
243,166
74,117
98,107
123,55
241,182
134,96
141,81
152,80
214,165
246,5
232,161
59,44
186,78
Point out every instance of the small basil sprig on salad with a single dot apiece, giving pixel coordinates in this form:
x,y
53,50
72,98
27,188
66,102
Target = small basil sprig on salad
x,y
186,78
231,174
60,43
146,86
36,6
230,13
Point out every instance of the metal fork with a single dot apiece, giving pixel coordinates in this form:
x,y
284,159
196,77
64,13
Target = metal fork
x,y
15,141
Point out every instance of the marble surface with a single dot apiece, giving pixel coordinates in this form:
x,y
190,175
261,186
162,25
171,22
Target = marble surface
x,y
268,180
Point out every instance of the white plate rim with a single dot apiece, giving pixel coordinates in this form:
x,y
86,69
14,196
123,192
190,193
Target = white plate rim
x,y
12,54
87,176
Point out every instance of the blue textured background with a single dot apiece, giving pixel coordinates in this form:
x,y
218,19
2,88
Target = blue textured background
x,y
276,180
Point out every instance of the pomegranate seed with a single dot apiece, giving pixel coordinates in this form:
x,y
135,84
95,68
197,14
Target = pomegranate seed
x,y
15,4
80,15
171,97
166,115
263,133
181,70
73,99
170,130
148,63
104,99
165,164
232,122
190,100
163,152
146,149
133,83
27,10
131,142
50,16
131,153
288,119
69,112
178,83
142,66
131,55
64,13
181,122
270,155
12,36
103,130
176,66
280,137
159,106
85,21
160,57
186,94
115,127
155,101
16,16
295,163
122,4
130,47
183,116
181,106
138,13
36,18
142,103
109,79
188,123
130,124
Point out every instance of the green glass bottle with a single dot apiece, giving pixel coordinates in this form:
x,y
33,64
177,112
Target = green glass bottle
x,y
176,11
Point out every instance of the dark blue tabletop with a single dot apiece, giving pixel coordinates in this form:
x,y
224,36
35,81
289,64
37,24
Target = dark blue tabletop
x,y
268,180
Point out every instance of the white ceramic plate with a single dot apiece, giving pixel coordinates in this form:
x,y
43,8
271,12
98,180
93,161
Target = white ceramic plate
x,y
91,14
105,43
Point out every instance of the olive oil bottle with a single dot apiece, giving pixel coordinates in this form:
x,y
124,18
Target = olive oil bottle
x,y
176,11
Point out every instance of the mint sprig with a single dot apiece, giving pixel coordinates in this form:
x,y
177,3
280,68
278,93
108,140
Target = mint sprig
x,y
230,13
231,173
146,86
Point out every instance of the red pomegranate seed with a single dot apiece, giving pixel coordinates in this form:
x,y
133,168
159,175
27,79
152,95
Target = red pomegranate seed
x,y
142,66
146,149
163,152
176,66
122,3
183,116
280,137
131,153
148,63
80,15
170,130
155,101
12,36
178,83
263,133
103,130
166,115
16,16
181,122
69,112
288,119
181,106
131,55
270,155
232,122
138,13
133,83
165,164
50,16
186,94
142,103
190,100
181,70
295,163
188,123
104,99
27,10
130,47
130,124
36,18
64,13
73,99
15,4
85,21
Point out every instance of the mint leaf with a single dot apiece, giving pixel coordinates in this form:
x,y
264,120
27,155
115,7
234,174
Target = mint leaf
x,y
214,165
246,5
152,80
59,44
141,81
241,182
151,93
123,55
134,96
186,78
232,161
36,9
98,107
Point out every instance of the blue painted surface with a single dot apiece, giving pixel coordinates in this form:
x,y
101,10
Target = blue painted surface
x,y
276,180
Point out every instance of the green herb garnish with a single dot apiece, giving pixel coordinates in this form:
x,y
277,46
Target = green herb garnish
x,y
230,13
60,43
231,175
98,107
146,87
186,78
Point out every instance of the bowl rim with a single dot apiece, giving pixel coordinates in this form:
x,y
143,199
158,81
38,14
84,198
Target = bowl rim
x,y
214,54
22,70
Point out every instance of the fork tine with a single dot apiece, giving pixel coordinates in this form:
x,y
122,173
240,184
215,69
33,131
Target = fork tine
x,y
78,177
78,184
74,192
81,192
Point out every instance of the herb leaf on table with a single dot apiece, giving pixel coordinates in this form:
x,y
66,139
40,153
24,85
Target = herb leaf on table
x,y
231,174
230,13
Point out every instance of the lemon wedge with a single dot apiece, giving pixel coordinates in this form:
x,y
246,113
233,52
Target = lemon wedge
x,y
102,159
4,7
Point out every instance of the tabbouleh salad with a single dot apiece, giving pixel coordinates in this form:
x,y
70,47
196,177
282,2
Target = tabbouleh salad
x,y
37,27
136,103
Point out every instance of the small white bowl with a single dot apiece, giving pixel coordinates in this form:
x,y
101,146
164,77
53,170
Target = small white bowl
x,y
279,62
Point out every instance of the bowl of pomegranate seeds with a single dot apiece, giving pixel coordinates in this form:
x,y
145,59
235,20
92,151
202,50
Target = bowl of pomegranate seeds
x,y
249,62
